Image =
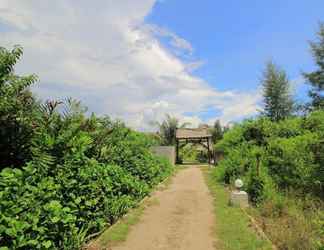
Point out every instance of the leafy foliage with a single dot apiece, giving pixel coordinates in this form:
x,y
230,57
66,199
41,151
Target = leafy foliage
x,y
75,174
289,151
281,164
17,107
316,78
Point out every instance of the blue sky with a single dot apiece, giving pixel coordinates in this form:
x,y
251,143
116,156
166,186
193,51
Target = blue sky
x,y
236,38
239,37
137,60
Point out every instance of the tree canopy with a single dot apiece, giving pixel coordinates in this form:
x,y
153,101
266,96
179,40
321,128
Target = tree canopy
x,y
278,103
316,78
17,106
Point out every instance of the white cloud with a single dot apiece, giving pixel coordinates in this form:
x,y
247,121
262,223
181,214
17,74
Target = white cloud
x,y
176,41
192,66
105,54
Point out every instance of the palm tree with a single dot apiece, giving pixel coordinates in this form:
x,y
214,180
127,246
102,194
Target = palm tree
x,y
167,129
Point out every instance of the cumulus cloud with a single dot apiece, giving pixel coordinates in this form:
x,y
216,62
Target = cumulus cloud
x,y
175,41
104,53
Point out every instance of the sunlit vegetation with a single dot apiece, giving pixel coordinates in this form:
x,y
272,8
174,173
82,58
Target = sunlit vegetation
x,y
280,157
65,175
233,229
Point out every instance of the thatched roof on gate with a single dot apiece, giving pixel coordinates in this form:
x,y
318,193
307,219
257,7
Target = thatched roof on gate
x,y
192,133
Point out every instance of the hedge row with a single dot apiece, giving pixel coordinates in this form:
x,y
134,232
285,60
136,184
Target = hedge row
x,y
288,154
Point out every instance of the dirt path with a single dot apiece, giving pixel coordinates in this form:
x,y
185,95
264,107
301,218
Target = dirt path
x,y
182,220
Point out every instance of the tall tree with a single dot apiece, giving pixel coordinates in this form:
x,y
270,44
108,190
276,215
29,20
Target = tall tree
x,y
17,111
278,102
316,78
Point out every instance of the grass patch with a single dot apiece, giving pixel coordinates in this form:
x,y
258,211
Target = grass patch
x,y
232,227
291,222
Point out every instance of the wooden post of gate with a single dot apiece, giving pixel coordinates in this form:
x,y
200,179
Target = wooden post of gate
x,y
208,151
177,152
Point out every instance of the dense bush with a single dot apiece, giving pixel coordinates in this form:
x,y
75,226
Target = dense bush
x,y
128,149
290,151
281,164
64,175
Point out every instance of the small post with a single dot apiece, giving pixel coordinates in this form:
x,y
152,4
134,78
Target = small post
x,y
238,197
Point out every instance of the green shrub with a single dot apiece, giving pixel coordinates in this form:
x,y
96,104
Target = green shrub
x,y
280,163
79,200
79,197
291,161
291,151
130,150
64,175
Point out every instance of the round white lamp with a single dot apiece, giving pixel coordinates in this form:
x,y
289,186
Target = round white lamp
x,y
238,183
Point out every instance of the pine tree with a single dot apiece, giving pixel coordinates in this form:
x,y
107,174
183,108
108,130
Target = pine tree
x,y
278,103
316,78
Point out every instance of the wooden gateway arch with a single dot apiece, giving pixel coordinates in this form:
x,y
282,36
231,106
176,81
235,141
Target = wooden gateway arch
x,y
197,136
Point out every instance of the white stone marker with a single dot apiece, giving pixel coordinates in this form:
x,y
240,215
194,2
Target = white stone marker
x,y
238,197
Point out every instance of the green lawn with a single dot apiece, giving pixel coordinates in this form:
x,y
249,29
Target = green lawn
x,y
232,226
